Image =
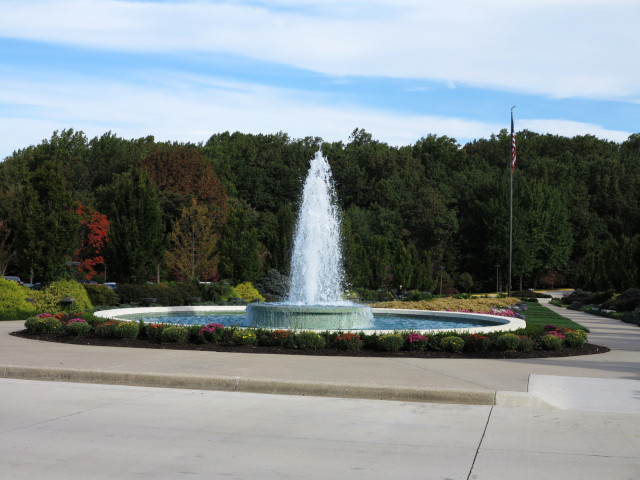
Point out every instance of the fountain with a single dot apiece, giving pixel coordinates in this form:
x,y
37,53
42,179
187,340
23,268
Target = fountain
x,y
315,298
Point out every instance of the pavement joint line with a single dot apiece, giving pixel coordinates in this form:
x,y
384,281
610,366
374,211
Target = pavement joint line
x,y
254,385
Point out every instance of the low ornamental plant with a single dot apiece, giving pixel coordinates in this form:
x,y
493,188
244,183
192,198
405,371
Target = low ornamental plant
x,y
575,338
390,342
452,343
106,329
526,344
76,326
310,340
476,343
282,338
211,332
416,341
552,341
348,341
244,337
43,324
174,333
127,330
153,331
508,341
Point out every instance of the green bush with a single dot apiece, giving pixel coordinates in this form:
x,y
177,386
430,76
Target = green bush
x,y
41,325
13,298
248,292
101,295
127,330
244,337
508,341
552,342
174,333
348,341
310,340
452,343
48,300
390,342
76,326
632,317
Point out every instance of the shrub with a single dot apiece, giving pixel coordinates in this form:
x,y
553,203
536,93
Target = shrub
x,y
348,341
552,342
48,300
165,294
508,341
310,340
127,330
101,295
174,333
217,292
477,343
13,298
77,326
211,332
632,317
452,343
244,337
390,342
575,338
416,341
43,324
248,292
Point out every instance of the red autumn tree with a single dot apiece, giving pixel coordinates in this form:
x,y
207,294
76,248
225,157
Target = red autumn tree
x,y
184,173
93,236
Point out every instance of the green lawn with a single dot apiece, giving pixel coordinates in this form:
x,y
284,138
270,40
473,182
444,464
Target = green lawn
x,y
536,314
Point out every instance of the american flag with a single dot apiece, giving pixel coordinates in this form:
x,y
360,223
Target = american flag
x,y
513,145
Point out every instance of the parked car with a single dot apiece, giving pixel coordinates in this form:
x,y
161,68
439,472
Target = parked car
x,y
14,279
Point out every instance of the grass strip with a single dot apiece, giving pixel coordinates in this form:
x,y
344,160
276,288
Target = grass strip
x,y
537,314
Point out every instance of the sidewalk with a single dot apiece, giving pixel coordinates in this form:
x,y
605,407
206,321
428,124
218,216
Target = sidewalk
x,y
470,381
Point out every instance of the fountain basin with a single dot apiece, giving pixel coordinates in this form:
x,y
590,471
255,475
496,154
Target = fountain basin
x,y
478,323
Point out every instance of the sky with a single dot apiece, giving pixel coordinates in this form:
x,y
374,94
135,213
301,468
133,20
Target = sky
x,y
183,70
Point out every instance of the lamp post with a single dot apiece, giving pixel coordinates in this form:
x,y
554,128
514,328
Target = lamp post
x,y
441,271
498,279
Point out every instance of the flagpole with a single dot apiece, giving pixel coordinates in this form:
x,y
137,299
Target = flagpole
x,y
512,164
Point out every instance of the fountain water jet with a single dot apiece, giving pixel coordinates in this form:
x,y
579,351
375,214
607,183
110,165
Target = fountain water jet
x,y
315,298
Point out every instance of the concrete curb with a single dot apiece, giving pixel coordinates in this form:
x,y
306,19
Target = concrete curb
x,y
253,385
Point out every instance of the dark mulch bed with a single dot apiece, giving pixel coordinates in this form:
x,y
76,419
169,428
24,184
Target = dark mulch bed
x,y
587,349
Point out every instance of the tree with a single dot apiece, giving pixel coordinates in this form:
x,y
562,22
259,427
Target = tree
x,y
239,260
194,241
136,231
47,233
93,238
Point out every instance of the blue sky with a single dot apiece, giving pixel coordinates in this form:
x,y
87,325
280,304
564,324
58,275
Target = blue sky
x,y
182,70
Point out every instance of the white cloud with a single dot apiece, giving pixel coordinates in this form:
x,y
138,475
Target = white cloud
x,y
191,108
559,48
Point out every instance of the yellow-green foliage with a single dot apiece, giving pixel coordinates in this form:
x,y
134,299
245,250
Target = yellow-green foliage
x,y
48,300
248,292
455,304
13,297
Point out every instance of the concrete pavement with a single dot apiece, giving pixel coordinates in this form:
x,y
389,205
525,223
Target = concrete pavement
x,y
542,418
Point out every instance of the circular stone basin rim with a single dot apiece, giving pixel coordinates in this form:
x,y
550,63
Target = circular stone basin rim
x,y
502,323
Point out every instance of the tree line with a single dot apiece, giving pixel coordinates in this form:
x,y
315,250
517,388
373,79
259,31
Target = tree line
x,y
413,217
